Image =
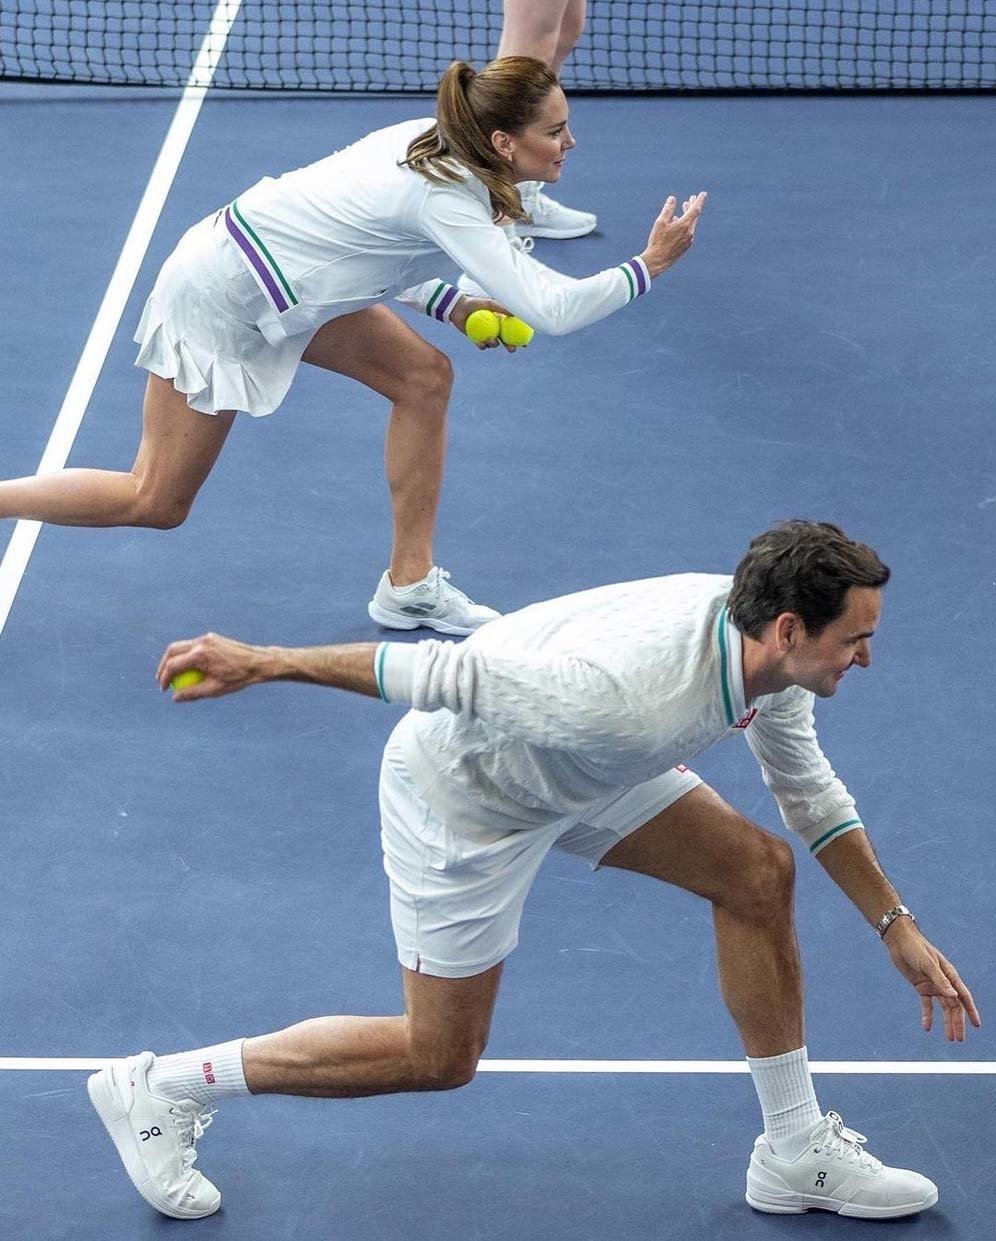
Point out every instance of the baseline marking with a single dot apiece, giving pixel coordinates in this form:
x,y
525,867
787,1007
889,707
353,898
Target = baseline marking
x,y
67,424
859,1067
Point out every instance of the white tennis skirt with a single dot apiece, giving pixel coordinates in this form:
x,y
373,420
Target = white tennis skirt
x,y
198,329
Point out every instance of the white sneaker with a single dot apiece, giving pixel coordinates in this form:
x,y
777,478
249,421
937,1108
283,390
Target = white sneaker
x,y
833,1173
523,244
432,603
155,1138
548,218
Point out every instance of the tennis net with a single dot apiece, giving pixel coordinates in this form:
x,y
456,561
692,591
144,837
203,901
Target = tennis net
x,y
404,47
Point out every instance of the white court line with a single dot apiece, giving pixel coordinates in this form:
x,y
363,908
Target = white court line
x,y
67,424
846,1067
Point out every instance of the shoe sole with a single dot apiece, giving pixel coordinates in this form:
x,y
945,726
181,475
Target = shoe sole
x,y
839,1208
392,620
555,234
115,1121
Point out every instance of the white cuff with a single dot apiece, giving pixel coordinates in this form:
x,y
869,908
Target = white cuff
x,y
819,836
394,669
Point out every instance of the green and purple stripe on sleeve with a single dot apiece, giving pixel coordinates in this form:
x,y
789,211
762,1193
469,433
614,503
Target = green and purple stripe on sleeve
x,y
263,262
441,302
637,276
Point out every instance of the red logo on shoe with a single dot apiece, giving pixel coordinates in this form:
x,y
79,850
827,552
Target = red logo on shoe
x,y
208,1068
745,722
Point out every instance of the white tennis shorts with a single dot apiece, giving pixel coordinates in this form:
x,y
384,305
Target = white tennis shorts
x,y
456,897
198,328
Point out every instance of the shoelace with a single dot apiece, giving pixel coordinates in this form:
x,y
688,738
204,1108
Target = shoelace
x,y
846,1143
191,1127
451,590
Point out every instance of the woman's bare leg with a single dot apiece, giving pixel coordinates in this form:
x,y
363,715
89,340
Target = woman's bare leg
x,y
179,446
375,347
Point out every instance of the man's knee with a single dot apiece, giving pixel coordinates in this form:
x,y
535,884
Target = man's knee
x,y
766,880
448,1068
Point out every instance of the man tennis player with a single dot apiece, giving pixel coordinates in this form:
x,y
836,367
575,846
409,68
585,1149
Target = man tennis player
x,y
567,725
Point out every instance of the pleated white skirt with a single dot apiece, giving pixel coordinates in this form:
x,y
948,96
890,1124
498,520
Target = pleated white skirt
x,y
198,329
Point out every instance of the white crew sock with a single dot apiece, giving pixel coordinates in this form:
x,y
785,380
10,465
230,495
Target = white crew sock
x,y
205,1075
784,1088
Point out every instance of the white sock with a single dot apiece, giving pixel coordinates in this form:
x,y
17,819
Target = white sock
x,y
205,1075
784,1088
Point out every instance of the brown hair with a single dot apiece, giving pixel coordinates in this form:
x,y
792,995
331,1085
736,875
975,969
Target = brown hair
x,y
805,567
507,94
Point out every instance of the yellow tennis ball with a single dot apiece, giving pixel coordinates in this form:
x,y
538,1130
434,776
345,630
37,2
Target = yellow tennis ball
x,y
482,325
515,332
183,680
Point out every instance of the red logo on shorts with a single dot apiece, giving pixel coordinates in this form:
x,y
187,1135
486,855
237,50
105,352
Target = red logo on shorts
x,y
680,767
745,722
208,1069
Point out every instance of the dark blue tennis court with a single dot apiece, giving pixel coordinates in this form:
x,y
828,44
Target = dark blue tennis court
x,y
176,876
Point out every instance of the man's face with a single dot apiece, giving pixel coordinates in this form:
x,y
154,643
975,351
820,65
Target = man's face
x,y
818,663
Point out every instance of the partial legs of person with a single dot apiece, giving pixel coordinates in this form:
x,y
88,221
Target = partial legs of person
x,y
178,449
377,348
547,30
155,1108
804,1159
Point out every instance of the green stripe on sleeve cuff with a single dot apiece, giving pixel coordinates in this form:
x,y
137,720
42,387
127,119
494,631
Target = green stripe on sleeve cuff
x,y
834,831
379,657
441,288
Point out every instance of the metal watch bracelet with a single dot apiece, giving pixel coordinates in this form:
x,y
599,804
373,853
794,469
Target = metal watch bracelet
x,y
887,919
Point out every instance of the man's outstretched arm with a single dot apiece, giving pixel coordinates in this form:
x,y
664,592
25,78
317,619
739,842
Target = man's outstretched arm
x,y
851,862
229,665
562,702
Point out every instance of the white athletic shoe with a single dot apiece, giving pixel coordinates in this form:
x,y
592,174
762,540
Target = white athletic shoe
x,y
432,603
155,1138
548,218
524,244
833,1173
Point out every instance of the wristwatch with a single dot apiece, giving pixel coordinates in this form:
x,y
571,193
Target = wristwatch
x,y
887,919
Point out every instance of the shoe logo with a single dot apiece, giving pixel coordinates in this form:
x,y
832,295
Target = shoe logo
x,y
208,1069
154,1132
417,609
821,1180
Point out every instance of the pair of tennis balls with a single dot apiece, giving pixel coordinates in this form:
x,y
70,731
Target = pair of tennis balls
x,y
485,325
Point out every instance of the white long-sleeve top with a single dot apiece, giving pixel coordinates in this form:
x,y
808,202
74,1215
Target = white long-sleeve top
x,y
355,228
549,709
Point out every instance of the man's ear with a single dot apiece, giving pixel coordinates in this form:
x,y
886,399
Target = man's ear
x,y
789,631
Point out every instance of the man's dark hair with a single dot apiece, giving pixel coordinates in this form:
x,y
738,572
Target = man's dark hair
x,y
805,567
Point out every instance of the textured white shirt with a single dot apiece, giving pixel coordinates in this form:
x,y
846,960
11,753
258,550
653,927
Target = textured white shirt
x,y
355,228
549,709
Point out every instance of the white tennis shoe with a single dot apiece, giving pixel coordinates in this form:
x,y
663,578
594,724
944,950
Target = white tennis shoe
x,y
431,603
834,1173
545,217
155,1138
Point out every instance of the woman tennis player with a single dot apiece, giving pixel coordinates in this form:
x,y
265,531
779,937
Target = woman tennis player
x,y
298,267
